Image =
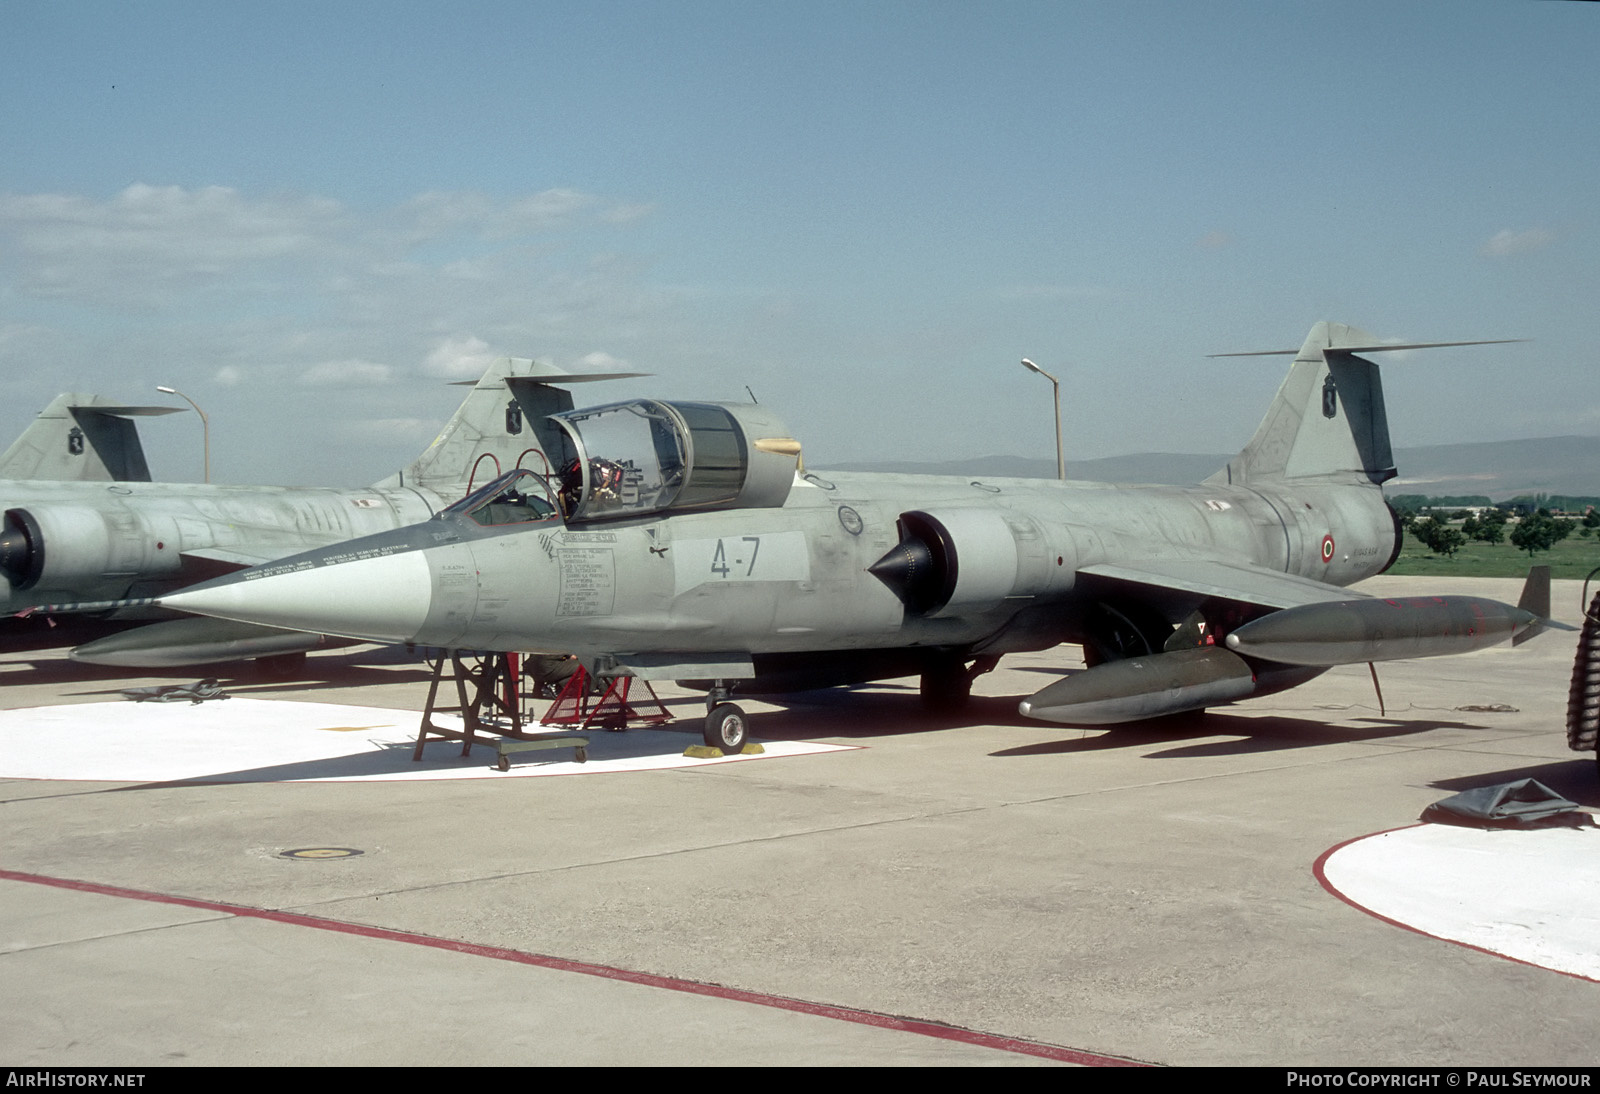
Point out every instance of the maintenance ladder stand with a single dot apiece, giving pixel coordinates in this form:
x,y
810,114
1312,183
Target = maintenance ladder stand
x,y
492,713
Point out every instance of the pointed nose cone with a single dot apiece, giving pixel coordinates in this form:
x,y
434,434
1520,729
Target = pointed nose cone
x,y
382,599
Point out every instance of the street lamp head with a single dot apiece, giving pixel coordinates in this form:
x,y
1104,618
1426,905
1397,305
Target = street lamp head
x,y
1031,367
166,390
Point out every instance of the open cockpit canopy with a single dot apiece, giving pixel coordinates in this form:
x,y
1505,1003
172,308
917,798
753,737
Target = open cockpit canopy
x,y
646,456
517,497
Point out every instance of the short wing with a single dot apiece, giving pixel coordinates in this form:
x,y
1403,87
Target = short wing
x,y
226,559
1181,582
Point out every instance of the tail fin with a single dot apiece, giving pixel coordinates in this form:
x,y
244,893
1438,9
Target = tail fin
x,y
501,423
1328,419
82,438
1535,600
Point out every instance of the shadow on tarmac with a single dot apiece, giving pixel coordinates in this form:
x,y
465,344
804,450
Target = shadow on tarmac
x,y
1249,735
366,668
1573,779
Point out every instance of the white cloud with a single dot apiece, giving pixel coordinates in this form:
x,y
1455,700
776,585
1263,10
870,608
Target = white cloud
x,y
435,213
461,356
391,429
150,237
603,362
276,301
350,373
1506,242
158,246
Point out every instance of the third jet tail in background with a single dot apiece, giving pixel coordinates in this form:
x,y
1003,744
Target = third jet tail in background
x,y
82,438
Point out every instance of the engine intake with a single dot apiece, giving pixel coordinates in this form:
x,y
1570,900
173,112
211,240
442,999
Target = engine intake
x,y
21,549
949,560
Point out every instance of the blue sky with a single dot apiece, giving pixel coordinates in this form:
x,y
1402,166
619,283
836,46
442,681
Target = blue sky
x,y
309,215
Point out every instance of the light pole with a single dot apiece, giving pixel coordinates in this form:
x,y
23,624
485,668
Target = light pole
x,y
1061,461
205,423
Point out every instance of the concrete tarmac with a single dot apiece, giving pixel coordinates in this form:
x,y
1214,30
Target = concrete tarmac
x,y
977,890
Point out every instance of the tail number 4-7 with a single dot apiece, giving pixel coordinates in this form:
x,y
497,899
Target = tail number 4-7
x,y
740,566
732,560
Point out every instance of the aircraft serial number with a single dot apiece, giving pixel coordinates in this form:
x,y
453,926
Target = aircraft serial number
x,y
776,556
719,561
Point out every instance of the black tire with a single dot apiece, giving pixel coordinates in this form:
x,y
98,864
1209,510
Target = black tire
x,y
503,763
727,728
580,755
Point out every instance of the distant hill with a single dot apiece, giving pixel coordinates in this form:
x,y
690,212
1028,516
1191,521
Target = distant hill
x,y
1500,469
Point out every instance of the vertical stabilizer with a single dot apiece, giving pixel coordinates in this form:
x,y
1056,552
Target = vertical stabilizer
x,y
1328,419
503,418
82,438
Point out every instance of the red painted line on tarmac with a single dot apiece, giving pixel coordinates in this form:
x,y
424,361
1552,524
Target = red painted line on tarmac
x,y
668,983
1317,868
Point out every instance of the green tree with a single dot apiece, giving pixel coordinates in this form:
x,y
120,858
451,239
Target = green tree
x,y
1487,527
1540,532
1438,538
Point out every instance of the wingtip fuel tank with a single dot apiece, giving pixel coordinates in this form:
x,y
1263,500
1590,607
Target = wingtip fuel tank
x,y
1349,632
1143,687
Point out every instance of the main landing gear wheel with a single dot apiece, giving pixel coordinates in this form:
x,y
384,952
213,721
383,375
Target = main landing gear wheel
x,y
947,681
727,728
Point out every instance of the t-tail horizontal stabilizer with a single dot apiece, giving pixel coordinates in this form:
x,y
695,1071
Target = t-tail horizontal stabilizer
x,y
1328,421
82,438
501,425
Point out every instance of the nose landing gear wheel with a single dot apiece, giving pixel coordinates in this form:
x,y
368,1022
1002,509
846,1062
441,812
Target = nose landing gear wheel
x,y
727,728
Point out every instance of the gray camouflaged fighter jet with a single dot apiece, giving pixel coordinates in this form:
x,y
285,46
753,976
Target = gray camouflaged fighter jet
x,y
685,541
84,523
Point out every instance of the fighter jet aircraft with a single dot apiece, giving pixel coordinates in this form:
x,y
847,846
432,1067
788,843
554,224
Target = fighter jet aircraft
x,y
678,540
89,526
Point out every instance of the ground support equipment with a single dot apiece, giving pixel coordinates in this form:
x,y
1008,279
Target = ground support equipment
x,y
488,703
613,710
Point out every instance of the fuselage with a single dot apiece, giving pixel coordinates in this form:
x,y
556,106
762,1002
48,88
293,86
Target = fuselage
x,y
97,541
797,577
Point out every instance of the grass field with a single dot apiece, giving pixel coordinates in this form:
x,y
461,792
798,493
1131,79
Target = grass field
x,y
1572,557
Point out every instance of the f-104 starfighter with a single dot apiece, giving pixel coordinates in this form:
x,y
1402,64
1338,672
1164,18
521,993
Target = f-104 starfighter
x,y
683,540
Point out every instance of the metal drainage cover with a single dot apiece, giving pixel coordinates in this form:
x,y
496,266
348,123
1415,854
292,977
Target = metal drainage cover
x,y
321,852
